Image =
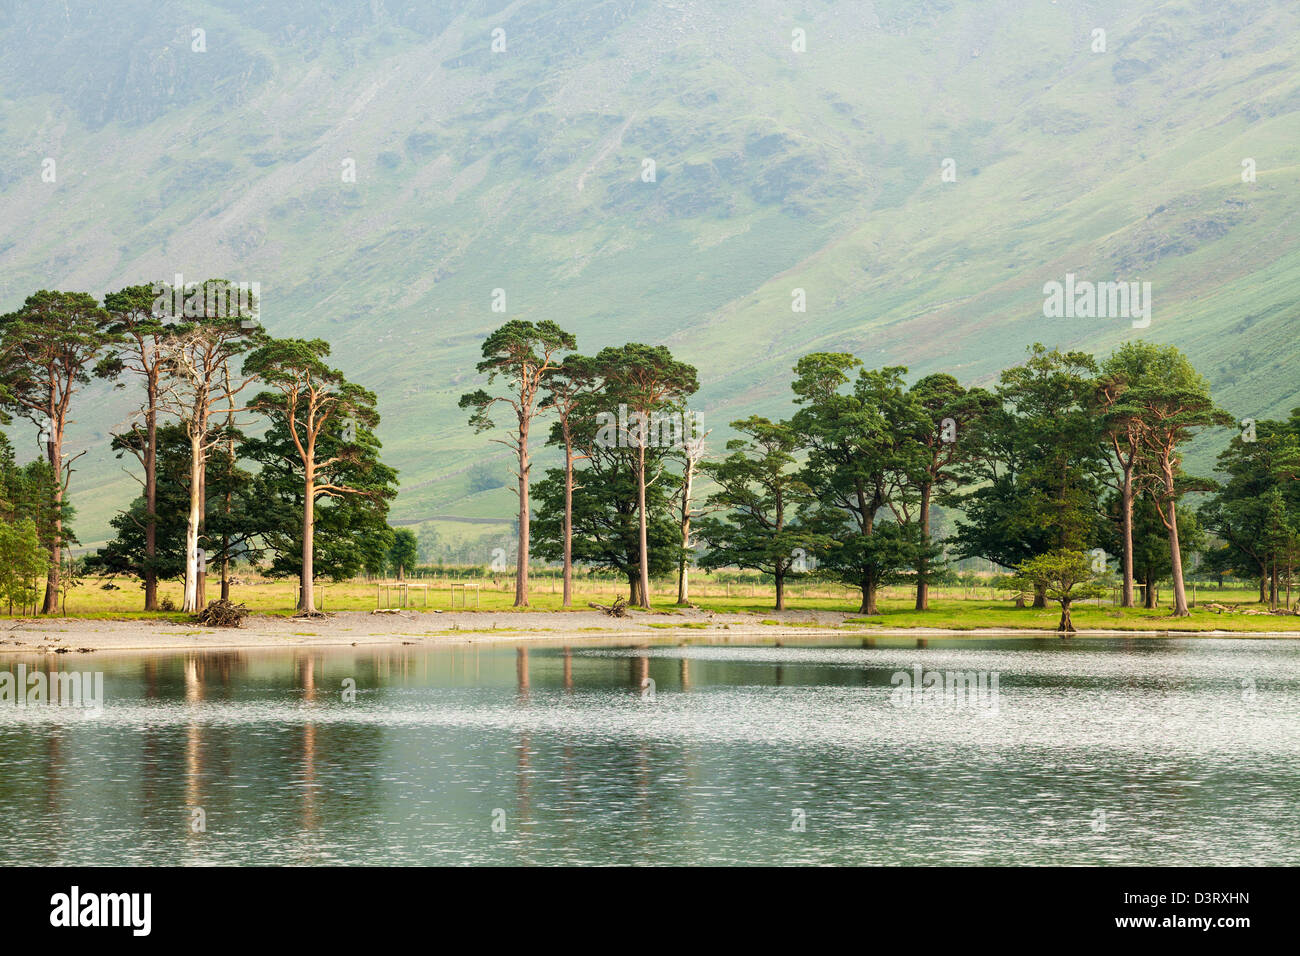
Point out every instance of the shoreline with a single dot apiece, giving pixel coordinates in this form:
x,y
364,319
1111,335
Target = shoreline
x,y
411,628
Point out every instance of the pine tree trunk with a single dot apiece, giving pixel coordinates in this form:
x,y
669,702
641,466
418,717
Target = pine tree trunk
x,y
644,552
683,585
923,566
1176,557
1126,504
568,523
190,602
868,595
54,450
521,560
151,494
306,573
230,478
201,571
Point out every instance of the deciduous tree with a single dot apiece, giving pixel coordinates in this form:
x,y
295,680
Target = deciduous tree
x,y
1032,475
759,493
404,552
864,447
952,410
1065,576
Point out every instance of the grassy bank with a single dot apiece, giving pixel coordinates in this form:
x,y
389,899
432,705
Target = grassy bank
x,y
951,608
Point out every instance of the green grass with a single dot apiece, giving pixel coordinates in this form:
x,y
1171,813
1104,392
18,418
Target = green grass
x,y
951,609
974,614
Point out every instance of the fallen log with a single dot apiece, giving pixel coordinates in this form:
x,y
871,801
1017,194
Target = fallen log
x,y
617,609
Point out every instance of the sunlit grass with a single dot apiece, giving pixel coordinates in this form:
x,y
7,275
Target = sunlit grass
x,y
973,614
951,608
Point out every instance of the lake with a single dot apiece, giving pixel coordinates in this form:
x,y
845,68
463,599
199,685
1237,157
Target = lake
x,y
858,751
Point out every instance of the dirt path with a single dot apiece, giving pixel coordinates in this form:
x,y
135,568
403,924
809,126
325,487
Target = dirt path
x,y
70,635
358,627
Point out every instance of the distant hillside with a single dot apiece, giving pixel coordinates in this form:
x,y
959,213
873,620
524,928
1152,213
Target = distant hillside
x,y
775,170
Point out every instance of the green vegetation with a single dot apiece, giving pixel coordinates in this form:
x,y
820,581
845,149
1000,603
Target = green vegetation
x,y
523,355
848,480
841,493
776,171
796,218
951,609
199,506
330,423
1065,577
987,615
47,351
1254,514
26,527
759,491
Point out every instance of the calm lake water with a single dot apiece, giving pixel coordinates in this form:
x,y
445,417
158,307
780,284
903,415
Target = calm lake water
x,y
1160,751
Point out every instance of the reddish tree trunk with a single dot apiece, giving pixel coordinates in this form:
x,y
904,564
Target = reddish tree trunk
x,y
1176,557
306,574
151,494
521,559
923,567
54,450
644,558
1126,505
568,523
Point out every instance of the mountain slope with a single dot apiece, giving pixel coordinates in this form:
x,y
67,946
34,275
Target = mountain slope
x,y
775,170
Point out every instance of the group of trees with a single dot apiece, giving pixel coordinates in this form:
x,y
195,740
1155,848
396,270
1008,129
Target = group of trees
x,y
612,511
26,526
1254,513
317,502
1064,461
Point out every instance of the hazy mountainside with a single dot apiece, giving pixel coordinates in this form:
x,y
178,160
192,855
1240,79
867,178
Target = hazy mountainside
x,y
775,170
